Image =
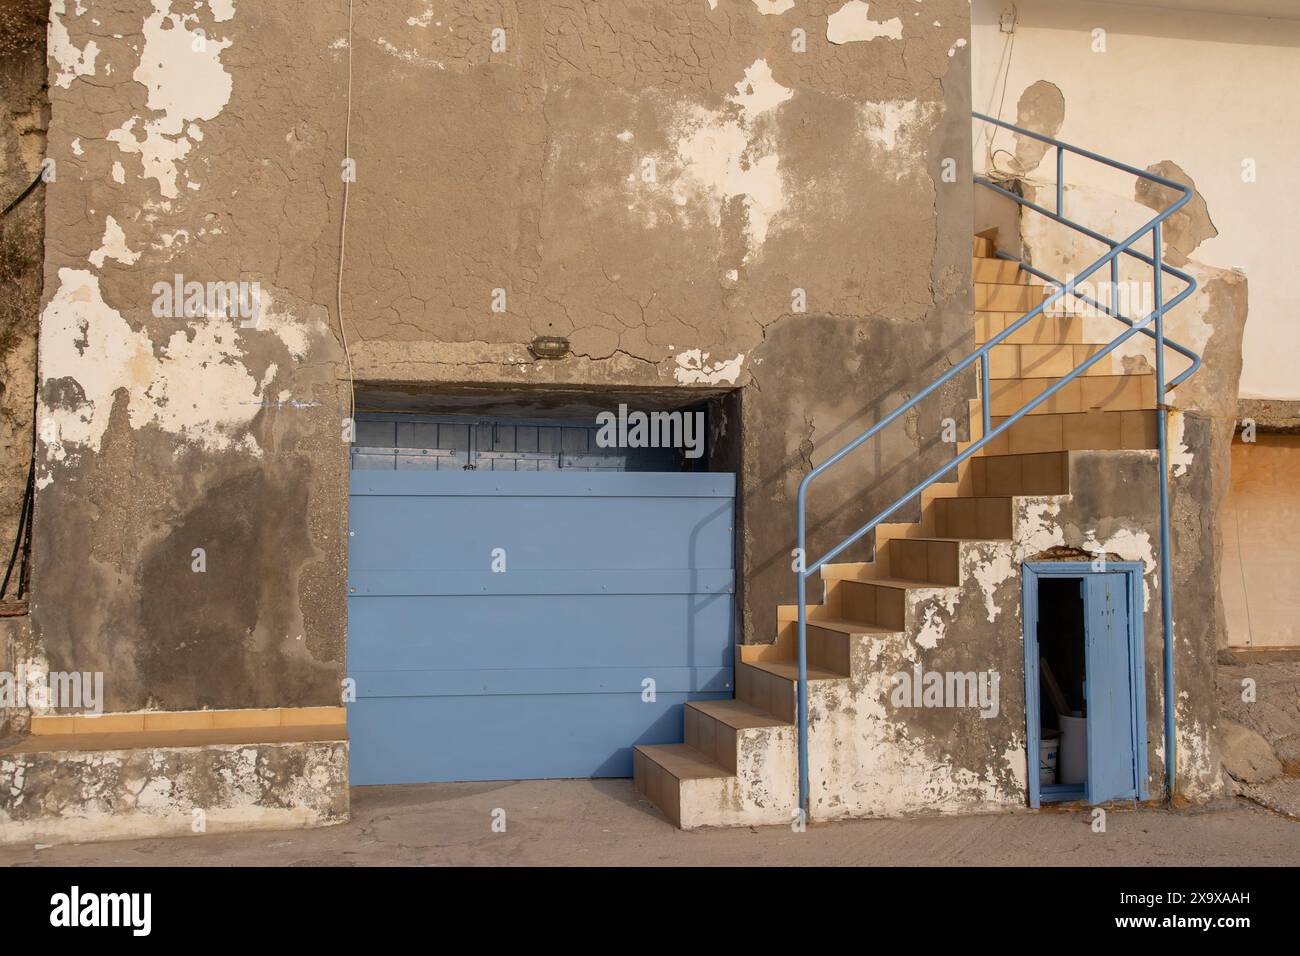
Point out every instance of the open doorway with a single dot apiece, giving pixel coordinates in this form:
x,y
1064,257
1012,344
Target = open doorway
x,y
1062,687
1085,703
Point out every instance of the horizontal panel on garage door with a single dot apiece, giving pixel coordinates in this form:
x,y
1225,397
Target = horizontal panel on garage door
x,y
512,625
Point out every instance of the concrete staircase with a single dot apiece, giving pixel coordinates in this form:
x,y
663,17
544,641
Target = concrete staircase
x,y
738,763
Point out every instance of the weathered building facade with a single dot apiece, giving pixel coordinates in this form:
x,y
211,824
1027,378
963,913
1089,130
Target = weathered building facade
x,y
278,229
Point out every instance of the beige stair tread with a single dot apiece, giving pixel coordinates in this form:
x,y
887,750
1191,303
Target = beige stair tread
x,y
790,670
736,713
905,584
851,627
683,761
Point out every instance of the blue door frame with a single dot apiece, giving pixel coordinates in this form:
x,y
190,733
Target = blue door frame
x,y
1096,618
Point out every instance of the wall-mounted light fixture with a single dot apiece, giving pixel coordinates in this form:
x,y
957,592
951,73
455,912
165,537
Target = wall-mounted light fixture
x,y
549,347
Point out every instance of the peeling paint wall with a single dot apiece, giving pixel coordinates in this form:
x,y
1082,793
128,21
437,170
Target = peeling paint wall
x,y
1201,423
871,757
1095,109
1202,91
729,193
162,428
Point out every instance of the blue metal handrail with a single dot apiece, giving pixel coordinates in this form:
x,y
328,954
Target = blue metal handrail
x,y
1151,325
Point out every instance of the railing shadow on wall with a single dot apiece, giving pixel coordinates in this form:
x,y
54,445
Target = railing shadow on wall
x,y
882,471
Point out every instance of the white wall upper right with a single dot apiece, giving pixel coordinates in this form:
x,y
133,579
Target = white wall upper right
x,y
1208,91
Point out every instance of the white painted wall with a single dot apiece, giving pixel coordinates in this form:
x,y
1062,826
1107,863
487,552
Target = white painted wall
x,y
1205,90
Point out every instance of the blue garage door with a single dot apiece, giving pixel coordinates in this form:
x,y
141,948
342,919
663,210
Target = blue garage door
x,y
509,625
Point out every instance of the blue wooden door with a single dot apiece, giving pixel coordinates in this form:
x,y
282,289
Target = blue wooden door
x,y
1109,688
511,625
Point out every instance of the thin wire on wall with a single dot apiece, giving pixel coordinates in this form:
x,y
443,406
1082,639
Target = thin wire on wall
x,y
343,235
991,151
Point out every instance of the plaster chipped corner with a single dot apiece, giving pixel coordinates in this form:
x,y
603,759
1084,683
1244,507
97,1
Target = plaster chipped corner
x,y
766,7
1180,455
1035,531
113,246
991,570
852,23
694,368
198,389
185,81
72,61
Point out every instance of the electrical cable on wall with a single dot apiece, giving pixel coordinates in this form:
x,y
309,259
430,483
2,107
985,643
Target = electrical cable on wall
x,y
991,151
23,534
22,540
343,235
40,178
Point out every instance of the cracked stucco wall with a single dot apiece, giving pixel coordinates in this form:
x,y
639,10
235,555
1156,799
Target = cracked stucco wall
x,y
163,433
1158,93
870,757
1053,100
659,182
1201,423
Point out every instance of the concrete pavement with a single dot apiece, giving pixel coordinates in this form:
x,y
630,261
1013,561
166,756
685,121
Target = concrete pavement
x,y
604,822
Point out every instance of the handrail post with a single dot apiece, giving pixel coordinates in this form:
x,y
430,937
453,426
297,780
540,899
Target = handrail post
x,y
802,597
1114,286
1060,181
1166,575
986,399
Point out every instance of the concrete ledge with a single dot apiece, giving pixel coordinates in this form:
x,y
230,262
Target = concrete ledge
x,y
186,720
1277,416
51,793
174,739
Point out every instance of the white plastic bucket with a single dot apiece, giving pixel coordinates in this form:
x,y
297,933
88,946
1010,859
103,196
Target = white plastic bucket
x,y
1048,749
1074,749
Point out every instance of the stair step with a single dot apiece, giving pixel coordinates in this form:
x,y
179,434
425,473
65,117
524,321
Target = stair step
x,y
1047,473
711,727
789,670
1040,330
996,270
881,601
982,247
851,627
771,685
1108,392
1078,431
1008,297
658,771
735,713
1045,360
970,518
830,648
934,560
889,530
695,790
683,761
